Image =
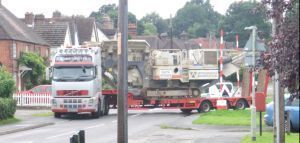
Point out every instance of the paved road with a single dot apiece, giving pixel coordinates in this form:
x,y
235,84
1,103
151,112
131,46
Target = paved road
x,y
144,127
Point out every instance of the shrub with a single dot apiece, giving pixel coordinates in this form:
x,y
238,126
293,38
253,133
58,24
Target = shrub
x,y
7,108
37,64
7,84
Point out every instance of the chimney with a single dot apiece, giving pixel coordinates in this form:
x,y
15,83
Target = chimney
x,y
56,14
132,29
106,22
184,35
39,18
29,19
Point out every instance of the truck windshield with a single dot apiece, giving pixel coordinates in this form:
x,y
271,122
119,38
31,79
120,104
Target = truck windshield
x,y
74,73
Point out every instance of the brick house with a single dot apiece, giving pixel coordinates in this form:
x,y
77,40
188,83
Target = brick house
x,y
15,38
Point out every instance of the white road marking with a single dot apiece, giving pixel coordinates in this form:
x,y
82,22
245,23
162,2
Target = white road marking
x,y
96,126
136,115
64,134
155,109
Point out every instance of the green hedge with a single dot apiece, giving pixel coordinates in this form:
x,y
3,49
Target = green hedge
x,y
7,108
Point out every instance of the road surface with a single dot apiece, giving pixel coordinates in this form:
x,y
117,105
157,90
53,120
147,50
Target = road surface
x,y
145,126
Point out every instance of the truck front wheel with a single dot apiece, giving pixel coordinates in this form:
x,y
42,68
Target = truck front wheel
x,y
98,113
106,107
57,115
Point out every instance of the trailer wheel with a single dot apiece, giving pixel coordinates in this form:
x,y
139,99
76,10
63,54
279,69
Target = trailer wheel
x,y
57,115
240,104
98,113
106,106
195,92
186,111
204,107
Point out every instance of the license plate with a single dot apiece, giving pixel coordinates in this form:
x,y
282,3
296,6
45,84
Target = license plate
x,y
72,109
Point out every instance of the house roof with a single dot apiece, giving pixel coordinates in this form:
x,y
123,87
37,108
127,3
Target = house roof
x,y
108,32
204,42
165,43
85,28
53,33
11,28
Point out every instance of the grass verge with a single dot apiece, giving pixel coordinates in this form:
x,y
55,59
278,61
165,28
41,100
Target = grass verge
x,y
44,114
267,137
227,117
9,121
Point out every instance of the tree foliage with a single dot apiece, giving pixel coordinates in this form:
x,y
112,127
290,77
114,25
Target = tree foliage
x,y
197,17
7,84
111,10
160,24
284,45
240,15
37,64
150,29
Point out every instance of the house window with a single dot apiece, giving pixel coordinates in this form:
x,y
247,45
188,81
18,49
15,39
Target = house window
x,y
14,50
26,49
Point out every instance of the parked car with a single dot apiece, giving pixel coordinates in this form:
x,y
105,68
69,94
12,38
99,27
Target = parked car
x,y
39,89
291,106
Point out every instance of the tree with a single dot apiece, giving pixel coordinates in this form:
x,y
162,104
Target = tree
x,y
37,64
150,29
160,24
197,18
140,27
7,84
111,10
240,15
284,44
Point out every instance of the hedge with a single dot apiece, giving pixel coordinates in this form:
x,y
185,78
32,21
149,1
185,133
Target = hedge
x,y
7,108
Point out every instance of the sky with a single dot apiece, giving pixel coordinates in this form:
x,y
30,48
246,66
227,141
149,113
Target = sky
x,y
140,8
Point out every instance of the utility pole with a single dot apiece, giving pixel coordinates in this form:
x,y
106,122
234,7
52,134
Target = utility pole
x,y
171,28
278,97
253,108
122,72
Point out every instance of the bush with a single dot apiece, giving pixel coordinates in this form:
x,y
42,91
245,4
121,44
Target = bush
x,y
38,66
7,84
7,108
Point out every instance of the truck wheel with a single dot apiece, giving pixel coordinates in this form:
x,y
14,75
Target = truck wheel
x,y
186,111
106,107
99,112
195,92
204,107
240,104
57,115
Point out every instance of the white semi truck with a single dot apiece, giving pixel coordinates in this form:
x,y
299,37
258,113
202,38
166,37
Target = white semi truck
x,y
76,82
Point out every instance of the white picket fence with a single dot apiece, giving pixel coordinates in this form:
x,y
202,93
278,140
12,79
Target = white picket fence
x,y
32,100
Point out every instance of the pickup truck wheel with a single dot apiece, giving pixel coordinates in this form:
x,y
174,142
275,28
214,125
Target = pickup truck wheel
x,y
240,104
106,107
57,115
98,113
204,107
186,111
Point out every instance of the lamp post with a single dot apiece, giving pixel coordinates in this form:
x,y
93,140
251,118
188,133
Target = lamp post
x,y
253,108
